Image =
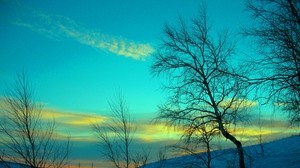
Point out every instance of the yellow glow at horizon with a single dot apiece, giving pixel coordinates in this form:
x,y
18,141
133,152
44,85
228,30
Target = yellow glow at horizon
x,y
238,103
72,118
80,126
157,132
251,131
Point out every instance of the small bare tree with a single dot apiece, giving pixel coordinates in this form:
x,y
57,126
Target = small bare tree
x,y
203,89
260,136
117,135
200,140
276,29
26,138
141,159
162,157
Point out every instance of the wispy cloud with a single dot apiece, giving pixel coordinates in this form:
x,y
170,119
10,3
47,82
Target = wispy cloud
x,y
59,27
72,118
238,103
150,132
78,126
74,124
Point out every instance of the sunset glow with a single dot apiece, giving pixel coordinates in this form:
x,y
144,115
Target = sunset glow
x,y
78,54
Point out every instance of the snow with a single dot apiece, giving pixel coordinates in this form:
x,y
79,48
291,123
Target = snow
x,y
283,153
12,165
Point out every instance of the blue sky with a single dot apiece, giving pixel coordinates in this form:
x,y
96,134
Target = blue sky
x,y
78,54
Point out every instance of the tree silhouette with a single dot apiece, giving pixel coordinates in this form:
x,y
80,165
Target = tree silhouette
x,y
201,139
117,135
276,29
203,89
25,137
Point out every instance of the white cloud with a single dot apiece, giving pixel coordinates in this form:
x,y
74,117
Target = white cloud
x,y
58,27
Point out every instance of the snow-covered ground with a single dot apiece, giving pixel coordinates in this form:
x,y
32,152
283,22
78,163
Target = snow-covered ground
x,y
12,165
283,153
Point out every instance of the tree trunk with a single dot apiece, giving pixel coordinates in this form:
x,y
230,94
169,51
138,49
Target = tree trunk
x,y
208,155
237,143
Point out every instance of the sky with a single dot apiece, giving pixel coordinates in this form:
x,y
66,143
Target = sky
x,y
79,54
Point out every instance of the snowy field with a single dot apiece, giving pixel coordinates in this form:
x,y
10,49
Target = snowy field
x,y
283,153
12,165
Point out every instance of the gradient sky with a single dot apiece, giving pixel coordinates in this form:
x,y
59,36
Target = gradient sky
x,y
78,54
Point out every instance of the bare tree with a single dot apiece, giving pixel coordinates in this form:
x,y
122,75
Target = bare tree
x,y
25,137
276,29
117,135
260,136
192,144
162,157
203,89
141,159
